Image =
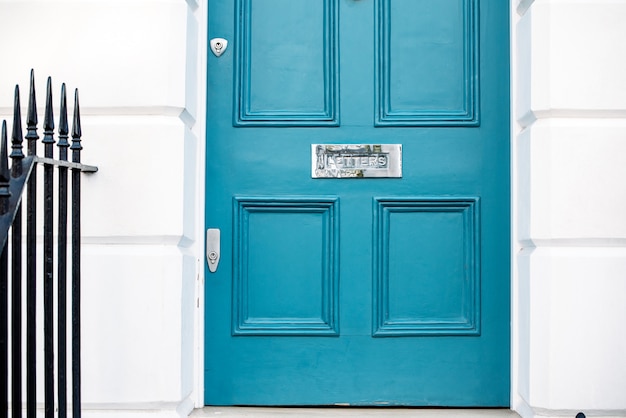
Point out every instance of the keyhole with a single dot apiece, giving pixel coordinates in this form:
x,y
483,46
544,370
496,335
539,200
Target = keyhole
x,y
218,46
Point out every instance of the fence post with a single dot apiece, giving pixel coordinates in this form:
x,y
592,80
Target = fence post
x,y
48,261
31,262
76,147
16,266
4,279
62,258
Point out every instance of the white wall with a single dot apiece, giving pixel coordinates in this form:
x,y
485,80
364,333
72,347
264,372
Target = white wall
x,y
140,68
136,65
570,194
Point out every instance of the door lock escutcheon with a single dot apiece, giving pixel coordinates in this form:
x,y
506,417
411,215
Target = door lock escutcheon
x,y
213,248
218,46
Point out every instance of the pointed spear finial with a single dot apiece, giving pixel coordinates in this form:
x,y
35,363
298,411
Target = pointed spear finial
x,y
4,161
76,130
4,171
16,137
63,126
31,118
32,102
48,122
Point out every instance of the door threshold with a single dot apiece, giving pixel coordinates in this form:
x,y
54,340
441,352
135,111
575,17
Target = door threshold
x,y
273,412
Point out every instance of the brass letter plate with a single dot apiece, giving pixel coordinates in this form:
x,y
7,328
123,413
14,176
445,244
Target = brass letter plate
x,y
356,161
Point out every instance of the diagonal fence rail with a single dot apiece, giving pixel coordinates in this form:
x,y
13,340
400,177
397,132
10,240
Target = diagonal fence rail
x,y
17,182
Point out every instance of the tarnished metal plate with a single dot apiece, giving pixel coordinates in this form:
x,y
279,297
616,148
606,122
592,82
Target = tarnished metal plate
x,y
356,160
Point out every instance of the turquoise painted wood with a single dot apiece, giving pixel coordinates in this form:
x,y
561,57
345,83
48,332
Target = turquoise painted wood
x,y
389,291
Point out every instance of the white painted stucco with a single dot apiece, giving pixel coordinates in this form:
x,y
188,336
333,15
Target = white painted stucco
x,y
140,67
139,70
569,264
569,255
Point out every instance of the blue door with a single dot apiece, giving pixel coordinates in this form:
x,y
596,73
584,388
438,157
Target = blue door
x,y
388,290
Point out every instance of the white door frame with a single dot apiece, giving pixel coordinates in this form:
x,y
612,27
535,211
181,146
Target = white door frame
x,y
197,32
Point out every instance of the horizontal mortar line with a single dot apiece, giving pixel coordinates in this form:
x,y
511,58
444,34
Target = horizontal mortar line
x,y
165,240
581,113
574,243
123,239
528,119
133,111
174,111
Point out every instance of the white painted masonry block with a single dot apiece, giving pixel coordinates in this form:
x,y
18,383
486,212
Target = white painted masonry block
x,y
132,324
588,54
575,343
138,190
576,59
574,180
119,53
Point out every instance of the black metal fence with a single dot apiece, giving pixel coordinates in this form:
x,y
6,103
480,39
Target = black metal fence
x,y
15,183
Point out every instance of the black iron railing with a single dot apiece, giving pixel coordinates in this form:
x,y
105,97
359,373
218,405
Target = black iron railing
x,y
13,182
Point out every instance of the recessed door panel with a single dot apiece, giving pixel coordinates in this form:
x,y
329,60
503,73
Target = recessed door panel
x,y
427,62
285,273
427,267
286,62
